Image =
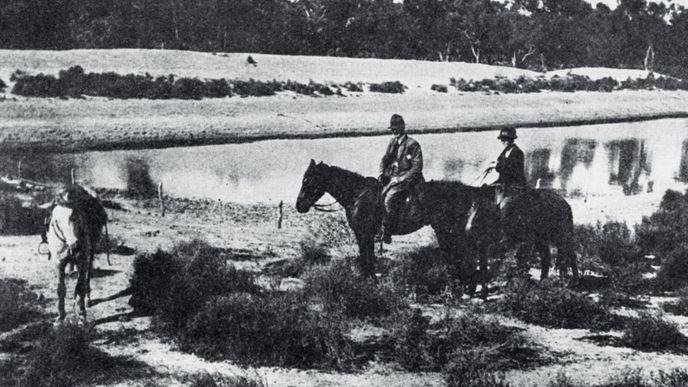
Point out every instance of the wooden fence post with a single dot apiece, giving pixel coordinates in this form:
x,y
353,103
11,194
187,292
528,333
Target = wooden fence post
x,y
279,220
162,199
72,174
19,169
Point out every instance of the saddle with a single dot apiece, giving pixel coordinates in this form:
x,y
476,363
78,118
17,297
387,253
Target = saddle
x,y
411,213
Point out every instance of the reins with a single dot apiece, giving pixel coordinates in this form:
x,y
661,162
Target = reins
x,y
326,207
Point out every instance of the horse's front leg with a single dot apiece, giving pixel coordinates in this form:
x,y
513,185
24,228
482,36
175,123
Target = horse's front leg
x,y
366,256
61,289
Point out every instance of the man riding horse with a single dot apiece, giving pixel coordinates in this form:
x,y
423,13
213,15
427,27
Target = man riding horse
x,y
401,170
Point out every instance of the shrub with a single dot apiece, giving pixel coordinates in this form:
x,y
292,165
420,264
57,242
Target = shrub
x,y
152,279
353,87
64,357
211,380
411,340
174,285
652,332
218,88
190,88
470,368
680,307
38,86
439,88
419,345
394,87
255,88
16,219
549,304
342,289
659,233
17,304
314,253
674,271
3,86
275,329
423,272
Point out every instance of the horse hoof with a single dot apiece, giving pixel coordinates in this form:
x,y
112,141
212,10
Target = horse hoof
x,y
58,322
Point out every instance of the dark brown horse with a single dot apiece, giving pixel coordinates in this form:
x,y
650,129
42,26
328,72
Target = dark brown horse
x,y
444,205
536,220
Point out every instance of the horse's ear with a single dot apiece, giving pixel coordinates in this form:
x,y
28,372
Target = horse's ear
x,y
321,163
312,163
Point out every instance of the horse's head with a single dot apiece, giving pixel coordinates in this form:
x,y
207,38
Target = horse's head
x,y
311,187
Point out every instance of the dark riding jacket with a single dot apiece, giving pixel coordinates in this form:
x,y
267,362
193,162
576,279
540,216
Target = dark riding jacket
x,y
403,162
511,167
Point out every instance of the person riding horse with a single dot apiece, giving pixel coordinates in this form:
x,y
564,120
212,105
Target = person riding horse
x,y
401,170
510,166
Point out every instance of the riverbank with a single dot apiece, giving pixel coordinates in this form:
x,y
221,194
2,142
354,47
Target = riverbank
x,y
94,123
54,125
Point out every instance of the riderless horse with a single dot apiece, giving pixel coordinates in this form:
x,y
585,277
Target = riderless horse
x,y
76,223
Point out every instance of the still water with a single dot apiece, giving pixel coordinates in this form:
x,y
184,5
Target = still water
x,y
610,160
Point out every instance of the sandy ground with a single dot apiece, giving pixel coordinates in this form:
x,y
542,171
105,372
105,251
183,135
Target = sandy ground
x,y
252,231
98,123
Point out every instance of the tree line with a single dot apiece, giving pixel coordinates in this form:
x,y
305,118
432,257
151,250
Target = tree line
x,y
540,34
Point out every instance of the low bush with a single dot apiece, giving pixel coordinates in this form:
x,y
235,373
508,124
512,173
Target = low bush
x,y
15,219
652,332
550,304
3,86
174,285
353,87
471,368
673,273
630,378
422,272
439,88
18,305
253,88
411,340
393,87
314,253
421,346
215,380
679,307
273,329
65,357
341,289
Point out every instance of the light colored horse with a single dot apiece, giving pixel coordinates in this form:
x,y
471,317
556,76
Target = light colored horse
x,y
76,223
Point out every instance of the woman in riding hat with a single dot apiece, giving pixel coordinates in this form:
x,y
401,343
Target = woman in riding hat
x,y
510,163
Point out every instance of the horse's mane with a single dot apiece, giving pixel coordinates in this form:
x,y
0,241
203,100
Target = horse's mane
x,y
345,173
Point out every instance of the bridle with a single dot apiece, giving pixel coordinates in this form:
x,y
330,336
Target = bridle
x,y
326,207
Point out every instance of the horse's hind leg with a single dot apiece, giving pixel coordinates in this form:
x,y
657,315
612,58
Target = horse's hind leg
x,y
545,260
61,289
82,286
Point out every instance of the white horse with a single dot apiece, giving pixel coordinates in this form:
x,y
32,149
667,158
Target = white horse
x,y
76,223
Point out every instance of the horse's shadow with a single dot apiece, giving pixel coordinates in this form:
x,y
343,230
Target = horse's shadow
x,y
97,273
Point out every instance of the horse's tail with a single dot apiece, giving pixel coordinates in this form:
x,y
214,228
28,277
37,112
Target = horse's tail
x,y
107,245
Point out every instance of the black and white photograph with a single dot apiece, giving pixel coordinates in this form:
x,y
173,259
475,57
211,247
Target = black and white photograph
x,y
335,193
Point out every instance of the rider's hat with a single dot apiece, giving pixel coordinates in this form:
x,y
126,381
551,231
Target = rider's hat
x,y
508,133
396,120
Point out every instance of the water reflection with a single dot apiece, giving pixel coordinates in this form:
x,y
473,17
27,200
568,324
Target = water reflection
x,y
538,167
586,161
576,153
628,165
